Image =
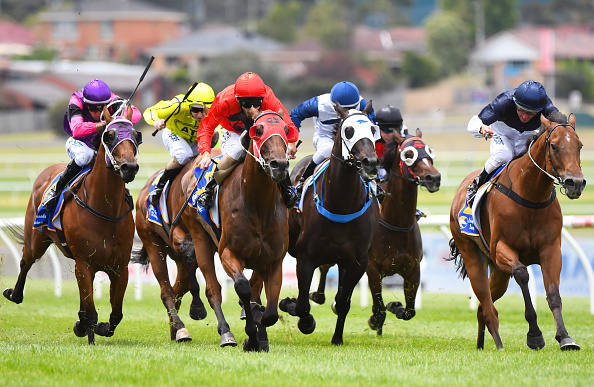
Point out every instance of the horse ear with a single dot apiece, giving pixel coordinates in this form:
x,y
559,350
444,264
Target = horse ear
x,y
342,112
544,121
571,120
129,113
106,115
398,137
368,108
419,133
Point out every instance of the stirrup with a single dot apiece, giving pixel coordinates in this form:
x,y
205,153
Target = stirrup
x,y
206,199
51,195
290,197
155,196
471,191
380,194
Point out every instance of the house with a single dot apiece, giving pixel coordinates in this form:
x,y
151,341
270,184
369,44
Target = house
x,y
115,30
14,40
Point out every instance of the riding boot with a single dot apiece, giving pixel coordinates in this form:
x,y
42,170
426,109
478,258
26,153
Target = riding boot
x,y
309,170
69,173
290,197
472,189
206,198
380,194
168,175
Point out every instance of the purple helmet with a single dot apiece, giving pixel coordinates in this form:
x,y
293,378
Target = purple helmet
x,y
96,92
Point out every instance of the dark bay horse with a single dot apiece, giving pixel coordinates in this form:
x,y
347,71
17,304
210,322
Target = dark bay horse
x,y
98,227
521,224
254,229
174,241
339,219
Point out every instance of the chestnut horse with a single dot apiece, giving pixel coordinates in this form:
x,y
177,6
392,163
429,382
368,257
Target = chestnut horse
x,y
174,241
98,226
338,220
254,229
521,225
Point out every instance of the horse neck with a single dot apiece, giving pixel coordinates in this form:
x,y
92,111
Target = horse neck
x,y
257,188
342,184
105,190
527,179
399,207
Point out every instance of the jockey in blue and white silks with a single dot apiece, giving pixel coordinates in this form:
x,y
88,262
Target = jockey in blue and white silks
x,y
509,120
325,118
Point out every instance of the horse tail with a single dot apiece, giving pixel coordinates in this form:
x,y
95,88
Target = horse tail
x,y
139,255
18,232
457,258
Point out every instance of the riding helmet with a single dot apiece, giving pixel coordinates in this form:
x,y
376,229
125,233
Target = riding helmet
x,y
96,92
530,96
201,95
250,85
346,94
389,116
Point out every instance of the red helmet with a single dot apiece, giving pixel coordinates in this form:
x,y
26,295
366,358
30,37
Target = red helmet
x,y
250,85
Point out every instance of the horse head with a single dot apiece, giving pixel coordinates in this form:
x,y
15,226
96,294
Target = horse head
x,y
562,149
408,156
357,135
270,135
120,142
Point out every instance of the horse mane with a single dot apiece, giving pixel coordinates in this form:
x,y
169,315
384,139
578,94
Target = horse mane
x,y
555,116
390,155
96,140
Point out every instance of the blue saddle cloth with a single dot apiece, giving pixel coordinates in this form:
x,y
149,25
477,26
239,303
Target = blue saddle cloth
x,y
159,214
42,219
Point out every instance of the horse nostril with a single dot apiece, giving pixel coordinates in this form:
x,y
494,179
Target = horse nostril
x,y
274,164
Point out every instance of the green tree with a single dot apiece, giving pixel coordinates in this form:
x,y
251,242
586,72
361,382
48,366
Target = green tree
x,y
448,41
574,74
282,21
419,70
326,22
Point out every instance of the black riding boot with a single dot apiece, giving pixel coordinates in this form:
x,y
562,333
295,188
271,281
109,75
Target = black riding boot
x,y
168,175
69,173
309,170
290,197
472,189
206,198
380,193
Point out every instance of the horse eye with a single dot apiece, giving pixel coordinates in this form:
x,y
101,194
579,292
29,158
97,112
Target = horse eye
x,y
286,130
349,132
553,147
373,130
429,151
259,130
138,137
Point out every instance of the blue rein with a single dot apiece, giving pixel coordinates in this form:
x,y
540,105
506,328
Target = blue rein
x,y
339,218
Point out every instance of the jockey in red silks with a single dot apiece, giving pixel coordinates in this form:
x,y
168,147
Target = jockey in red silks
x,y
232,106
82,120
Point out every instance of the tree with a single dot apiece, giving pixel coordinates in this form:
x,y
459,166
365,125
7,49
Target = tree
x,y
282,21
326,23
419,70
448,41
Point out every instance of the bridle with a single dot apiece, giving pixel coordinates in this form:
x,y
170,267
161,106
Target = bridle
x,y
407,164
350,161
110,160
256,155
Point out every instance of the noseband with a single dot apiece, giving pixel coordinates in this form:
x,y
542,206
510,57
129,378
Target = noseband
x,y
128,135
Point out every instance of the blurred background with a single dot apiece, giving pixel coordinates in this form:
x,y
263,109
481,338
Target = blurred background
x,y
439,61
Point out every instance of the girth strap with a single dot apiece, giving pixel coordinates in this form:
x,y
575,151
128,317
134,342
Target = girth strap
x,y
523,202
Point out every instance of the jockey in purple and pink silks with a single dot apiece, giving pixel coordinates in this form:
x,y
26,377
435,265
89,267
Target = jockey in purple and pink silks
x,y
82,121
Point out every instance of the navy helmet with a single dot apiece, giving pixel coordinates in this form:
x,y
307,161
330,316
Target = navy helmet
x,y
346,94
530,96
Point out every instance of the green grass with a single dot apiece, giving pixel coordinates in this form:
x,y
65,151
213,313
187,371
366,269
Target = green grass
x,y
437,347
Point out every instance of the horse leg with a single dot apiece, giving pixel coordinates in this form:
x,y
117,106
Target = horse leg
x,y
300,307
118,285
551,270
182,244
318,296
87,314
534,339
376,321
273,280
350,277
411,287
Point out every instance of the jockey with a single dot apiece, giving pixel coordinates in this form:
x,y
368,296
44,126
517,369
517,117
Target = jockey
x,y
389,119
180,131
510,120
232,106
325,118
82,120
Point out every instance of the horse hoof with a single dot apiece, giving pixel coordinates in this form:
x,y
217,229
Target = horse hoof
x,y
102,329
248,347
395,307
228,340
288,305
306,324
8,294
535,343
198,312
182,335
569,344
242,314
318,298
79,330
264,346
334,308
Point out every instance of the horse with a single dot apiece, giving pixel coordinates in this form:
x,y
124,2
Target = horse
x,y
521,223
98,226
173,240
338,219
254,229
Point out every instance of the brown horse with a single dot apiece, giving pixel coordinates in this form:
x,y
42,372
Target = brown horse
x,y
338,220
521,224
172,240
98,227
254,224
397,247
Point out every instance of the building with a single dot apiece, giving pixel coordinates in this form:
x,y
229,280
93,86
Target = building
x,y
114,30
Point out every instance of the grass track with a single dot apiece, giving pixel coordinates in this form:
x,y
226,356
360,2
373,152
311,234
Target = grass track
x,y
37,346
